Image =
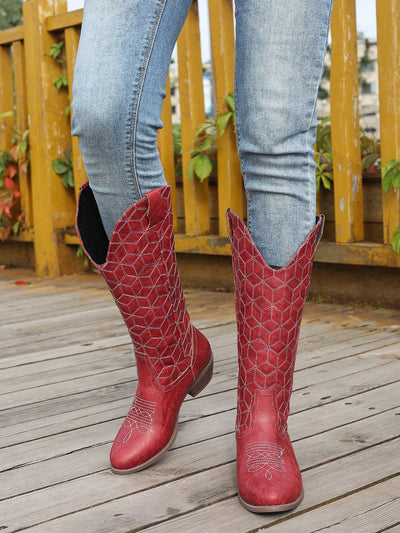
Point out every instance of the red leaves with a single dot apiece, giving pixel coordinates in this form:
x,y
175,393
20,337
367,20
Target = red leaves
x,y
13,163
8,182
11,171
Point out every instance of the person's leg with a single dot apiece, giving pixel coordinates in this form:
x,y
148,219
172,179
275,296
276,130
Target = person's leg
x,y
279,62
280,49
124,217
120,74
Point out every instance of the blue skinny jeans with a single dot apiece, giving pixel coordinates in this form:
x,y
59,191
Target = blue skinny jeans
x,y
120,75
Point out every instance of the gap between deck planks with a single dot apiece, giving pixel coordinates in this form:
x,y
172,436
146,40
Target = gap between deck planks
x,y
58,423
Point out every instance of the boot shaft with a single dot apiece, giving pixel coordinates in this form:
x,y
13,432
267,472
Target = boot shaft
x,y
139,266
269,307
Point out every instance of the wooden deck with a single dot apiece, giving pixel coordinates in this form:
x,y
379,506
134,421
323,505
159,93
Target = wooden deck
x,y
67,379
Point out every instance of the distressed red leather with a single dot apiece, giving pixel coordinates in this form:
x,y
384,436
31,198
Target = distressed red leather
x,y
269,308
173,358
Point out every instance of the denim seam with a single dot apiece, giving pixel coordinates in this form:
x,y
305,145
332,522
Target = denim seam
x,y
138,94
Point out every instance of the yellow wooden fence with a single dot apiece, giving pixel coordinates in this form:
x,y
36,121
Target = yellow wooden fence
x,y
26,85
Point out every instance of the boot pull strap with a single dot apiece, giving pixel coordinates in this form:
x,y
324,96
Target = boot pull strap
x,y
228,227
321,220
157,207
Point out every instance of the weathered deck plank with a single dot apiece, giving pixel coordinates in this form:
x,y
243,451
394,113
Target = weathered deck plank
x,y
67,379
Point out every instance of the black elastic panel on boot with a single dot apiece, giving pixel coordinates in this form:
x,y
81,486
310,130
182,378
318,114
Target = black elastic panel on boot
x,y
91,229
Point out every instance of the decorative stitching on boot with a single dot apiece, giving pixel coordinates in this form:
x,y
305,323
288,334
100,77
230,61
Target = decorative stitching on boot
x,y
265,455
269,307
140,416
142,274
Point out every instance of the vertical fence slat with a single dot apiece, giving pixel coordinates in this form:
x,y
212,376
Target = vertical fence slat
x,y
6,97
54,206
191,96
388,41
230,190
22,125
166,148
71,49
345,124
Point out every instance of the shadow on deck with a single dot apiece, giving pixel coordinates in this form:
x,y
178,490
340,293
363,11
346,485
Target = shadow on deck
x,y
67,381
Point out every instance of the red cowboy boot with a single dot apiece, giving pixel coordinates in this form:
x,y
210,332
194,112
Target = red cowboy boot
x,y
269,307
173,358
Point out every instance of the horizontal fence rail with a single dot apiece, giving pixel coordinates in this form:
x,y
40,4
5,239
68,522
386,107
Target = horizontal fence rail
x,y
26,85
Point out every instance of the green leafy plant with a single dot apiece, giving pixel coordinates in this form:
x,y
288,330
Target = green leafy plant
x,y
323,155
61,82
391,175
80,252
370,154
64,168
203,157
12,163
203,162
177,136
391,178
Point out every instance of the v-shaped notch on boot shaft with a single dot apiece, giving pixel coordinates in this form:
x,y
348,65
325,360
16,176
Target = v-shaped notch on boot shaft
x,y
146,212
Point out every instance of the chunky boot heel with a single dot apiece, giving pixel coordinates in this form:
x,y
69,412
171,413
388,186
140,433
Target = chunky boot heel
x,y
202,381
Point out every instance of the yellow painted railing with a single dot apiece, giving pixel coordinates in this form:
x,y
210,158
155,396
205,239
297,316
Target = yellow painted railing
x,y
26,85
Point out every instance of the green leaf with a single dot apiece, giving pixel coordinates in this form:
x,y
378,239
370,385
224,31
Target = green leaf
x,y
230,100
61,81
396,240
206,144
326,182
7,114
80,252
369,160
190,168
202,166
69,177
22,146
55,49
203,127
386,183
15,227
389,172
396,181
1,182
222,121
59,166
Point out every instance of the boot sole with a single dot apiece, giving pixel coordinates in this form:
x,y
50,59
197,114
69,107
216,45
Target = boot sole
x,y
272,508
198,385
150,461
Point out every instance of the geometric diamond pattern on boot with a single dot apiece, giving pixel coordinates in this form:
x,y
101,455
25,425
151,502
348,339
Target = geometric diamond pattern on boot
x,y
269,306
173,358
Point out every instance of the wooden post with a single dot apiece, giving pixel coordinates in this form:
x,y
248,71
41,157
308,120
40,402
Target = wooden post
x,y
53,205
71,48
388,27
6,97
191,96
345,124
22,125
230,189
166,148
